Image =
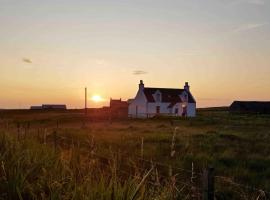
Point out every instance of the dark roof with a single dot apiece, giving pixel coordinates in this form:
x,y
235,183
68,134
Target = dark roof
x,y
167,95
54,106
36,107
250,106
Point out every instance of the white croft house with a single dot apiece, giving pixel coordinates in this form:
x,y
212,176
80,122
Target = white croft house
x,y
150,102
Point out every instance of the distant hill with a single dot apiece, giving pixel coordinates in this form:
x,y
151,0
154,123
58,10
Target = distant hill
x,y
221,108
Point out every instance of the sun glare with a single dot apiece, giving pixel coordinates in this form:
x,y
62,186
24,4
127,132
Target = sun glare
x,y
96,98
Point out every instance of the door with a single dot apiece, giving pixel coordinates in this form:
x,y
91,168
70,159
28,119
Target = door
x,y
158,110
184,113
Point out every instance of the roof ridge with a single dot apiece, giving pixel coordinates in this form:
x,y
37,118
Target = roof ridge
x,y
164,88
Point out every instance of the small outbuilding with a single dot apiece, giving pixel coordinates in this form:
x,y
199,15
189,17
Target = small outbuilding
x,y
118,108
262,107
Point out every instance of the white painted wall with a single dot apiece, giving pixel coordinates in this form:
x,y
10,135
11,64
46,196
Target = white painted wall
x,y
191,110
140,102
149,109
177,105
152,107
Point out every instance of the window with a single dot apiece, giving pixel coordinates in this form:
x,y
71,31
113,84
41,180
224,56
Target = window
x,y
185,97
158,109
176,111
158,97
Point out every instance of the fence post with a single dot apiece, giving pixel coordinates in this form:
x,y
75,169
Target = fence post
x,y
45,136
208,184
170,171
55,140
38,136
18,130
25,129
7,125
142,147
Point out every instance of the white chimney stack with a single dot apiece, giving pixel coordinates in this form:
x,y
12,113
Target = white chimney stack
x,y
186,87
141,85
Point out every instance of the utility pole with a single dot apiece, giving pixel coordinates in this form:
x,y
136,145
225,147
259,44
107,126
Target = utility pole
x,y
85,101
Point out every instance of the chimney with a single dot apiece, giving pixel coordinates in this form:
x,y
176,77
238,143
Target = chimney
x,y
141,85
186,87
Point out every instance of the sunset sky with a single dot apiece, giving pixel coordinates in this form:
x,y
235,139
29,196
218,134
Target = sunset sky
x,y
50,50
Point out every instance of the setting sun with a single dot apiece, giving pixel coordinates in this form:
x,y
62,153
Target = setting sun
x,y
96,98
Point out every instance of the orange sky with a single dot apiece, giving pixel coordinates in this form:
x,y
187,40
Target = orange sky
x,y
49,51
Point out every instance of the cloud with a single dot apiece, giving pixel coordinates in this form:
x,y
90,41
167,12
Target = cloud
x,y
139,72
100,62
254,2
27,60
247,27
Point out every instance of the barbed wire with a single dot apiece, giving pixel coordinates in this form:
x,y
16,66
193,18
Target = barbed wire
x,y
229,180
223,178
226,179
144,160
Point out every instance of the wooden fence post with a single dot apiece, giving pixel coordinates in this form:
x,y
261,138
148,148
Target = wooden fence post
x,y
25,130
55,140
45,136
18,130
142,147
38,136
7,125
170,171
208,184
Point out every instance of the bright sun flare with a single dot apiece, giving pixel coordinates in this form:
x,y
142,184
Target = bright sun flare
x,y
96,98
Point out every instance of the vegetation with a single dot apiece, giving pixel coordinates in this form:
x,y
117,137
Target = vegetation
x,y
48,155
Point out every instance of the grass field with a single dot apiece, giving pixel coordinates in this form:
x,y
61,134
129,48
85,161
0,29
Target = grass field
x,y
54,155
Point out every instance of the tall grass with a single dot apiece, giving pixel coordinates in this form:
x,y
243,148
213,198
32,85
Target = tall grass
x,y
236,145
30,170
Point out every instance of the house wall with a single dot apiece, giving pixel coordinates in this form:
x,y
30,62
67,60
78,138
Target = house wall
x,y
179,106
140,102
149,109
176,106
191,110
152,108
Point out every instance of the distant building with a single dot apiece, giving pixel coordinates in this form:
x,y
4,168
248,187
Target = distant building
x,y
54,107
49,107
150,102
118,108
262,107
36,108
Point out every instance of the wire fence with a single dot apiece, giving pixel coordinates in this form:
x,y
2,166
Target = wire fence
x,y
196,184
184,178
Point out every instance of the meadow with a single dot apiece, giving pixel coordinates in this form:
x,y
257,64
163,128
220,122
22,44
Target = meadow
x,y
65,155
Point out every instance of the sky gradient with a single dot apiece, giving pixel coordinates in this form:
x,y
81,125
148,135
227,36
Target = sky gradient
x,y
50,50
